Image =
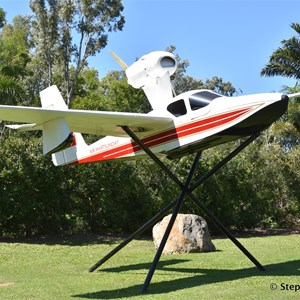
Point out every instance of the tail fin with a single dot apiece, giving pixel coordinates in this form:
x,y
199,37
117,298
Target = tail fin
x,y
56,133
52,99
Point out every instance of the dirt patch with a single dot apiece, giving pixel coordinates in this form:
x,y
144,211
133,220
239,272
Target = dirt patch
x,y
4,284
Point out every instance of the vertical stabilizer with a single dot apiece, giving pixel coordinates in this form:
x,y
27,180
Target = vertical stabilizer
x,y
51,98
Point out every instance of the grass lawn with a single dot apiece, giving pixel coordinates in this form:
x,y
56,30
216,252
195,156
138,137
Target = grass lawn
x,y
57,269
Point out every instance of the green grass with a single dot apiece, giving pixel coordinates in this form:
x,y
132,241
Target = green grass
x,y
57,269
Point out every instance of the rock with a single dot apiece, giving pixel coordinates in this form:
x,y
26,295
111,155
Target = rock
x,y
189,234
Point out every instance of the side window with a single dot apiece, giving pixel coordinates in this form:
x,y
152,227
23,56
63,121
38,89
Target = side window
x,y
177,108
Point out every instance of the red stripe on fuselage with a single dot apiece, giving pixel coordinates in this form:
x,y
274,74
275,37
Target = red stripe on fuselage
x,y
167,136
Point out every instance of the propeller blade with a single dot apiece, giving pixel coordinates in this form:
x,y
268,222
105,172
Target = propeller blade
x,y
119,60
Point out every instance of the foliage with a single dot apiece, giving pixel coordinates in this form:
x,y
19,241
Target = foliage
x,y
285,60
257,189
11,91
111,197
33,192
14,58
2,17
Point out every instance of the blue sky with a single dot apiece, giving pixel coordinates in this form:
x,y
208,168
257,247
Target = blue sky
x,y
232,39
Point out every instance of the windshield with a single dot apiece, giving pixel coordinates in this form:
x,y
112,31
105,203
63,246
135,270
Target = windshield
x,y
202,98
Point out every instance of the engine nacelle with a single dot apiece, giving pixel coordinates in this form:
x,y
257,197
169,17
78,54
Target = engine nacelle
x,y
149,67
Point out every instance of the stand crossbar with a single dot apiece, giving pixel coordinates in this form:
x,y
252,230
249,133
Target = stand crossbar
x,y
185,191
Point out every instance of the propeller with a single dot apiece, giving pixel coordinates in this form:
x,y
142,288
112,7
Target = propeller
x,y
119,60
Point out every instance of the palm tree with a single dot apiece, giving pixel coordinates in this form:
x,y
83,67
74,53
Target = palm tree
x,y
285,61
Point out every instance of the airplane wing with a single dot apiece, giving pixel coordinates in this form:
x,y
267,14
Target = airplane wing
x,y
84,121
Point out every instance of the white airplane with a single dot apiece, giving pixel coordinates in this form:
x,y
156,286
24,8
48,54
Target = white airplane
x,y
176,126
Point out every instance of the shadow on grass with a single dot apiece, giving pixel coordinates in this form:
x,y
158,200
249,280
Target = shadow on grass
x,y
199,277
163,266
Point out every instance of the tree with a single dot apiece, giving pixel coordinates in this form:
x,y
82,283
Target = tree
x,y
218,85
120,96
46,35
55,24
2,18
285,60
14,59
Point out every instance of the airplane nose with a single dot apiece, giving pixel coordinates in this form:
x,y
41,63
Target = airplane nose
x,y
285,98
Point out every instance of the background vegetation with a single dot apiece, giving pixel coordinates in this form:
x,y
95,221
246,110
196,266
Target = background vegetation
x,y
258,189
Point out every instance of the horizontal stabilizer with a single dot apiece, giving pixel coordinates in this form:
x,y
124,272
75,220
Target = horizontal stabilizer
x,y
24,127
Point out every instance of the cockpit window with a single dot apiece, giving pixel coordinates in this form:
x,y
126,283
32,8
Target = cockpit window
x,y
177,108
202,98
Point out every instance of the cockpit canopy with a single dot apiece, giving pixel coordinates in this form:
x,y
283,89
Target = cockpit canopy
x,y
192,100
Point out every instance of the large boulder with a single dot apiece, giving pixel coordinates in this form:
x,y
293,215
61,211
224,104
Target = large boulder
x,y
189,234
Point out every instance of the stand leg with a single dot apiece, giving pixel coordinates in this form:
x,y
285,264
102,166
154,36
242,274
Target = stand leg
x,y
216,222
171,223
138,232
210,215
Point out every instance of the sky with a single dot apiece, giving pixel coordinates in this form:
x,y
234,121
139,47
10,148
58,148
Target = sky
x,y
231,39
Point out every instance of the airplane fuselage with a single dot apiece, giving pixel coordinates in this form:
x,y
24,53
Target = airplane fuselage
x,y
201,119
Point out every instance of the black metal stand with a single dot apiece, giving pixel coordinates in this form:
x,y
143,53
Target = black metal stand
x,y
171,223
185,191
